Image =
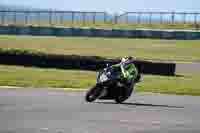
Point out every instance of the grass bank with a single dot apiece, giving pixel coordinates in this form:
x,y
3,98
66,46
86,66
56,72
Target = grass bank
x,y
177,50
37,77
109,25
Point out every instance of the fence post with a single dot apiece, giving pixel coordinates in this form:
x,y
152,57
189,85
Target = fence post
x,y
161,17
61,18
196,23
94,17
195,18
2,18
173,18
115,18
150,17
73,17
83,15
26,17
39,18
139,17
184,18
127,20
15,17
50,17
104,16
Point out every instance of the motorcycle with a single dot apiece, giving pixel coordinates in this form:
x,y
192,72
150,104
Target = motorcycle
x,y
110,87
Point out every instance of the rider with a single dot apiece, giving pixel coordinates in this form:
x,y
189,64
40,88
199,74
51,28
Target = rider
x,y
128,69
129,73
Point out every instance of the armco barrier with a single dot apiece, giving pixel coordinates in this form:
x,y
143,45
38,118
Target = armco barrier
x,y
79,62
34,30
5,30
94,32
157,68
86,32
167,35
23,30
47,31
127,33
63,31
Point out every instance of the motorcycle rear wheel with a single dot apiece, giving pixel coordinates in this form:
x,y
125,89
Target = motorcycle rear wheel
x,y
121,98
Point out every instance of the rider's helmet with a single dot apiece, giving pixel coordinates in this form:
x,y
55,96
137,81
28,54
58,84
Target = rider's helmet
x,y
123,59
127,60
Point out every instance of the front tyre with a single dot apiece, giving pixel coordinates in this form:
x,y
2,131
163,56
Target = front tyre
x,y
93,94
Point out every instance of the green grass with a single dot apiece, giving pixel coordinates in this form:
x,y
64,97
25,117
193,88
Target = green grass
x,y
186,85
100,24
37,77
177,50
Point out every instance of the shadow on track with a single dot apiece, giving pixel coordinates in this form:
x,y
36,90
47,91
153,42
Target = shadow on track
x,y
141,104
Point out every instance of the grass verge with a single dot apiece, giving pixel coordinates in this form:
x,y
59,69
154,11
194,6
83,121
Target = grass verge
x,y
37,77
176,50
108,25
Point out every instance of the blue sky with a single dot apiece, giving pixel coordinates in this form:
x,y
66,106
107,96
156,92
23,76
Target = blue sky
x,y
111,5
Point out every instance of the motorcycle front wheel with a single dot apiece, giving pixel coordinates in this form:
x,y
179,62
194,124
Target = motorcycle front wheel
x,y
93,94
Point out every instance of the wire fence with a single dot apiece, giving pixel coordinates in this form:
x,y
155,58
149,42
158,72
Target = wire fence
x,y
51,17
160,17
12,17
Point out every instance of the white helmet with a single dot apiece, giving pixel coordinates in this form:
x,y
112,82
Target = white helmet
x,y
123,59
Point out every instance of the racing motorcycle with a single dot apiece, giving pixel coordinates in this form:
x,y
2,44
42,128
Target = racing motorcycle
x,y
110,87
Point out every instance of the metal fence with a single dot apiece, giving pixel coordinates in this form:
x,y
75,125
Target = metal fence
x,y
159,17
85,18
51,17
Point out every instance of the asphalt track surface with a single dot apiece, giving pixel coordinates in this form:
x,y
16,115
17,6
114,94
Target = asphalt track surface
x,y
45,111
188,67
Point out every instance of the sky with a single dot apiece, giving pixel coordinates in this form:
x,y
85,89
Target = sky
x,y
113,6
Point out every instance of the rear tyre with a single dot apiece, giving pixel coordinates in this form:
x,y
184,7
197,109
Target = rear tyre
x,y
120,99
93,94
124,96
